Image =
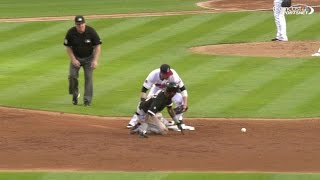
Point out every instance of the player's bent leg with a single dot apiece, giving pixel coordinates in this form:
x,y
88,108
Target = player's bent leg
x,y
154,129
134,121
135,118
178,101
156,126
164,120
142,130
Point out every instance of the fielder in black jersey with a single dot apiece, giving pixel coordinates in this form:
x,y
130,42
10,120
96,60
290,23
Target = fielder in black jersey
x,y
149,123
83,47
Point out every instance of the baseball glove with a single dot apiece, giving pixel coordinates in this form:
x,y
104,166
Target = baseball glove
x,y
286,3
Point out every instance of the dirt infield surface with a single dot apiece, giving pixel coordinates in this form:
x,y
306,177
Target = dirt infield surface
x,y
41,140
290,49
38,140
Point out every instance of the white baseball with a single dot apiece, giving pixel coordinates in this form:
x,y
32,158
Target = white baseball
x,y
243,129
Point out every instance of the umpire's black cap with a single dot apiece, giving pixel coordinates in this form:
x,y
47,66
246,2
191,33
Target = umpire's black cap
x,y
79,19
166,70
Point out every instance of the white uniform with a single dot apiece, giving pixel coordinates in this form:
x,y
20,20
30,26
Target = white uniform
x,y
154,83
280,20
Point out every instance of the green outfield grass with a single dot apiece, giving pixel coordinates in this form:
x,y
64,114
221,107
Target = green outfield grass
x,y
34,68
34,65
32,8
153,176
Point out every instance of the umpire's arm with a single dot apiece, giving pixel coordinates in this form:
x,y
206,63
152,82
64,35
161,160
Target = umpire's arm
x,y
72,57
96,55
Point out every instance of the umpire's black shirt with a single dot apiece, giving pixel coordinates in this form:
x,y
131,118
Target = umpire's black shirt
x,y
82,44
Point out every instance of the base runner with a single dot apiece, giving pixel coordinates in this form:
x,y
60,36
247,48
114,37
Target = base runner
x,y
148,121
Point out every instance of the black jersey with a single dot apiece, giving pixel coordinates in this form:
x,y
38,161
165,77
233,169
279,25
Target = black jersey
x,y
156,103
82,44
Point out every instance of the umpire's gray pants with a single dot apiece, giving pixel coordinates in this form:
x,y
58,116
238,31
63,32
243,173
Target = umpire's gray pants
x,y
74,75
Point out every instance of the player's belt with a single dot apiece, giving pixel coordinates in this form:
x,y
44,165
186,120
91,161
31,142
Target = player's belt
x,y
160,85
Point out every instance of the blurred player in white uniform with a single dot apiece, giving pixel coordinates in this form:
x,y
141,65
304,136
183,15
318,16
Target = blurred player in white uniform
x,y
156,81
280,20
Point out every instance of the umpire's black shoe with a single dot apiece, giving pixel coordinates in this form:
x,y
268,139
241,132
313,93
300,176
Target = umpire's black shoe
x,y
75,99
87,104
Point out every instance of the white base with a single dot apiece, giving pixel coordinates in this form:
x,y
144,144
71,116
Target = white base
x,y
184,127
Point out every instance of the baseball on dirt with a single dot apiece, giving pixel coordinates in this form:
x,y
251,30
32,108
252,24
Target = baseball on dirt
x,y
243,130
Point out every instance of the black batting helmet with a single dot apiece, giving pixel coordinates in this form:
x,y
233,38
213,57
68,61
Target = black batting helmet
x,y
172,87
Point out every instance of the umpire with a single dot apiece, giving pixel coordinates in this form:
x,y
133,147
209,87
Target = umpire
x,y
83,47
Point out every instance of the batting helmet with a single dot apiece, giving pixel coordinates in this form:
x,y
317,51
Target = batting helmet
x,y
172,87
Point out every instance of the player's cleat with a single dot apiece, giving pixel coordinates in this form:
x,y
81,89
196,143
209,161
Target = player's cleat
x,y
170,123
75,99
276,39
129,126
133,127
143,134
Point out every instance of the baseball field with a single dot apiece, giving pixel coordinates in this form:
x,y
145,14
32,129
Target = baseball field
x,y
270,88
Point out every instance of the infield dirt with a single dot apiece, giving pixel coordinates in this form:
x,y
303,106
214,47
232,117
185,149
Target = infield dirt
x,y
39,140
